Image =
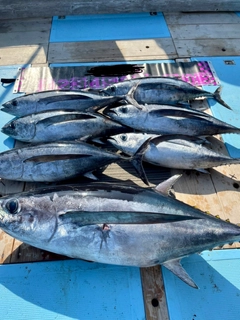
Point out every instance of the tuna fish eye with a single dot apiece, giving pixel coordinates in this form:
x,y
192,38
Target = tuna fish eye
x,y
14,103
12,206
12,125
113,89
124,137
124,110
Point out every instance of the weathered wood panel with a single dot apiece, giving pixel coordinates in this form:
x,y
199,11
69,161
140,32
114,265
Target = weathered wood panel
x,y
207,47
201,18
23,54
154,294
44,8
111,50
205,31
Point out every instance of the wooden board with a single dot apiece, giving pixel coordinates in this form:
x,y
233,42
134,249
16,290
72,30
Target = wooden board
x,y
205,31
111,50
24,41
45,8
207,47
185,18
24,55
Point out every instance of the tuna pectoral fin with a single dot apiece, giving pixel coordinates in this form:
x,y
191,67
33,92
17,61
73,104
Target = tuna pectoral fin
x,y
90,175
176,268
218,98
56,157
119,217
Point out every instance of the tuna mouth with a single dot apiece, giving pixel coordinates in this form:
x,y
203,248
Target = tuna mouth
x,y
7,130
109,111
112,141
6,105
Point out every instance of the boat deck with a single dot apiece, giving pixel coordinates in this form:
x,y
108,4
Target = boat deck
x,y
212,36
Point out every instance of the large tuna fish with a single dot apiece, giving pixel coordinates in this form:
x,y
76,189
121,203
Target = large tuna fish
x,y
58,161
114,224
160,90
173,151
61,125
55,100
168,119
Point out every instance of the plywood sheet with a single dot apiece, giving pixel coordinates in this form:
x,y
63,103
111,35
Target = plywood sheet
x,y
192,18
207,48
97,51
23,54
205,31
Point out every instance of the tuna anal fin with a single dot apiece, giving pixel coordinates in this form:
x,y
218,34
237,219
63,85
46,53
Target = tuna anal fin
x,y
175,267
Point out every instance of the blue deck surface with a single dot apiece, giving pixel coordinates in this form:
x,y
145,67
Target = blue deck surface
x,y
109,27
6,94
218,297
70,289
229,76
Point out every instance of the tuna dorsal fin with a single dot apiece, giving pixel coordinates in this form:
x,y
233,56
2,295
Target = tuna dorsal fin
x,y
165,186
119,217
176,268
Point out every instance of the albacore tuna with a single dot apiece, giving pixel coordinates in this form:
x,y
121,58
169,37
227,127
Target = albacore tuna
x,y
61,125
55,100
58,161
172,151
160,90
123,225
168,119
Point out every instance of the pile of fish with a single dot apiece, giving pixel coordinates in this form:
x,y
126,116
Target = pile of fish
x,y
147,119
155,105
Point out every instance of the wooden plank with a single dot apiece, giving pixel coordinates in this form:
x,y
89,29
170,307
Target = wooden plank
x,y
154,294
201,18
44,8
205,31
23,54
30,38
111,50
207,47
25,25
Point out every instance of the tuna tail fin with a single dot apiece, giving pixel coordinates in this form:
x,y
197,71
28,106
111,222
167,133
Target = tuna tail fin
x,y
218,98
136,161
176,268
